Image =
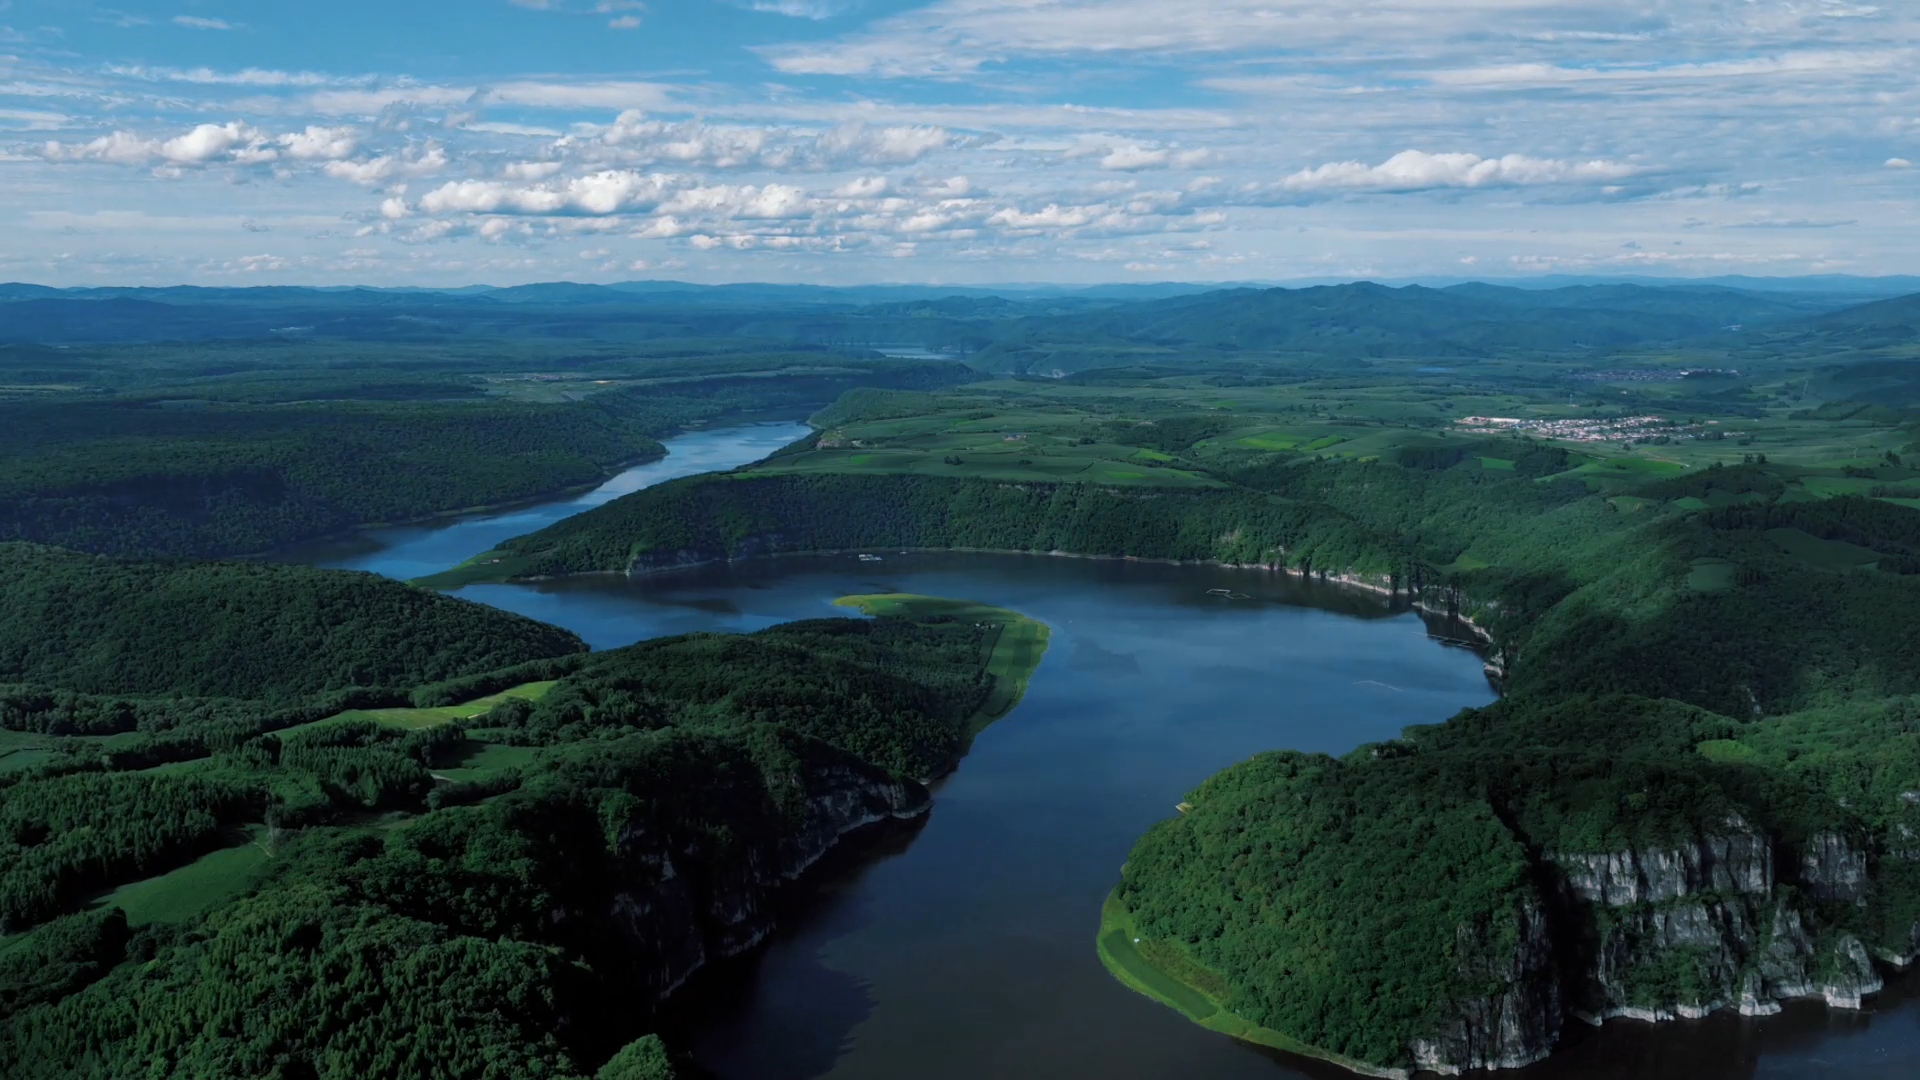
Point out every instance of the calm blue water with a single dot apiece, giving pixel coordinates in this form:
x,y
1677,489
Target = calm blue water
x,y
963,948
413,551
969,952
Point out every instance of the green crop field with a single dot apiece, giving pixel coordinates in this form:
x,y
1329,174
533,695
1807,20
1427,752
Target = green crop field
x,y
414,719
24,750
483,760
1823,554
206,882
1712,575
1039,430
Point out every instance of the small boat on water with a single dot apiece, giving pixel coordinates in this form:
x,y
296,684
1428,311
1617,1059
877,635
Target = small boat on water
x,y
1229,594
869,558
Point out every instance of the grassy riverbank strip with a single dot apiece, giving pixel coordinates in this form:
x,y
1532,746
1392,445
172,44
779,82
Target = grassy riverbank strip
x,y
1016,650
1120,947
486,568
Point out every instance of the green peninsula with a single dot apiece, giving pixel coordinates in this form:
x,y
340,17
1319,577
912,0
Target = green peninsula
x,y
446,839
1699,791
442,840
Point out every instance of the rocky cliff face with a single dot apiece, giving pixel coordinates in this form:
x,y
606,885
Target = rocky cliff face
x,y
1685,930
1516,1026
684,906
1730,919
1737,860
652,562
1833,870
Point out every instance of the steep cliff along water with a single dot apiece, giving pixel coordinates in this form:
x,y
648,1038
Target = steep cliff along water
x,y
407,552
963,947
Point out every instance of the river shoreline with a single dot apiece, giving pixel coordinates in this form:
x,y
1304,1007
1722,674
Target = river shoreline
x,y
434,542
1116,925
983,892
551,495
1344,580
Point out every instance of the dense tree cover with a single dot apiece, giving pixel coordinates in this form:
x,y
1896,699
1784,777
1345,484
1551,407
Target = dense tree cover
x,y
664,789
917,685
1580,598
1291,877
1366,319
1167,434
1350,944
1871,523
705,518
521,926
1646,710
244,463
66,956
303,981
1788,637
63,836
1669,671
645,1058
1361,318
220,479
97,625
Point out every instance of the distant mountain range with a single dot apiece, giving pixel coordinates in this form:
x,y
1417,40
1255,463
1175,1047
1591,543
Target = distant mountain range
x,y
1356,319
627,292
1370,319
1832,284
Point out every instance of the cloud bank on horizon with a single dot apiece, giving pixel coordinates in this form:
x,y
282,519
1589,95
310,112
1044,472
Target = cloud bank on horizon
x,y
959,141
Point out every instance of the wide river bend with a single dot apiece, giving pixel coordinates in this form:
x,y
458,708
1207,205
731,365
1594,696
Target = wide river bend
x,y
962,947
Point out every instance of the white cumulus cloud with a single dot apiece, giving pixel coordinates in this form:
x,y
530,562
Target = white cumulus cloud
x,y
1417,170
385,168
321,143
1130,158
203,144
891,145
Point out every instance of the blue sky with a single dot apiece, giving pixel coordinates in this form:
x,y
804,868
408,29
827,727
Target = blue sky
x,y
959,141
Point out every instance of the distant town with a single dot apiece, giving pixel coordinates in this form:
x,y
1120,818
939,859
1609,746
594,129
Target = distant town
x,y
1654,374
1616,429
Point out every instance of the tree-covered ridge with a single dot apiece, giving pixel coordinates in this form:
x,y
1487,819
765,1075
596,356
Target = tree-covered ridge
x,y
244,462
522,921
1014,329
1666,674
1702,665
918,684
1698,659
223,479
1293,880
710,518
96,625
1290,880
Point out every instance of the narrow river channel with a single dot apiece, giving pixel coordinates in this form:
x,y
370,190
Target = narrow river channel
x,y
963,946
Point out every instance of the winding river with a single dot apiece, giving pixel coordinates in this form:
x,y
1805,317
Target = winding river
x,y
962,946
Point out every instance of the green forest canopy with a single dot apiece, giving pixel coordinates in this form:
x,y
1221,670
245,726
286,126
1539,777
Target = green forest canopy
x,y
171,463
1705,617
475,931
1682,646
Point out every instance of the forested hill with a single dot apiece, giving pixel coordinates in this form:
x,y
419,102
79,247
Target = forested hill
x,y
1355,319
1701,788
97,625
167,462
715,518
1364,319
544,873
